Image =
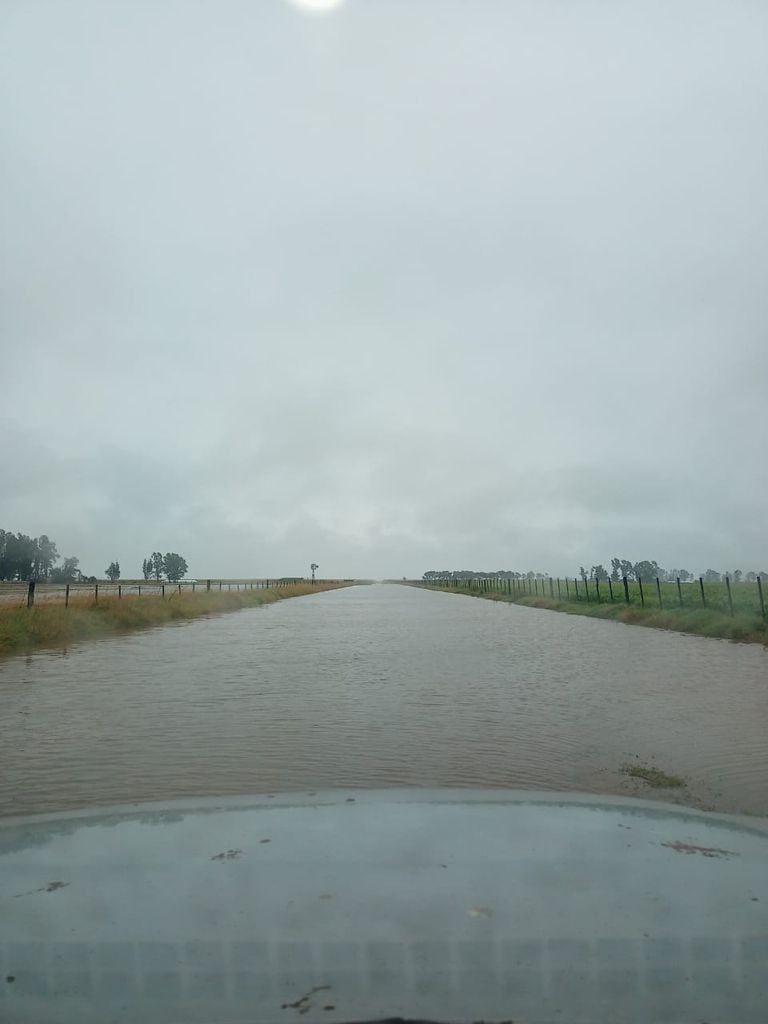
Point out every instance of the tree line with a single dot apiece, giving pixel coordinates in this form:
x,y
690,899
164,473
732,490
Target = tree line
x,y
171,565
34,558
647,569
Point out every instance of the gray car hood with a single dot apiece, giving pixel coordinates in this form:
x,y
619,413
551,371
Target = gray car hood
x,y
335,907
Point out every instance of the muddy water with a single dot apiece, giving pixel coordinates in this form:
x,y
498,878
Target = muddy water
x,y
383,686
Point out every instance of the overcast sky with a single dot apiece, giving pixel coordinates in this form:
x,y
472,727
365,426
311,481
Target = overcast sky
x,y
409,284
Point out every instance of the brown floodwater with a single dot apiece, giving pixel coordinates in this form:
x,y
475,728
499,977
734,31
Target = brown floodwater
x,y
383,686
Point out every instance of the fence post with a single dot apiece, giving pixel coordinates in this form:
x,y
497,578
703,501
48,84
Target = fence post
x,y
567,589
162,589
179,588
139,590
586,588
658,591
96,593
576,588
626,589
30,593
610,587
536,587
119,591
551,588
219,584
66,596
730,595
193,587
679,593
642,595
597,589
760,592
558,588
703,596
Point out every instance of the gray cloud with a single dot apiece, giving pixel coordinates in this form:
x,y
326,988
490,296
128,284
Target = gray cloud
x,y
405,286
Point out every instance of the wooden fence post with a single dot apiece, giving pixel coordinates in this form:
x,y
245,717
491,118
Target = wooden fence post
x,y
66,596
642,595
139,590
597,590
162,589
586,588
30,593
730,595
658,591
703,596
626,589
760,592
576,588
551,588
679,593
610,587
558,588
119,591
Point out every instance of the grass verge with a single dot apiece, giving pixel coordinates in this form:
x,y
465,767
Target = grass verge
x,y
655,777
745,625
54,626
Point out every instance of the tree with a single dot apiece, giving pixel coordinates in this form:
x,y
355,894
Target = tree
x,y
45,555
751,577
737,574
174,566
146,568
615,569
113,571
682,574
647,570
157,565
67,573
710,576
583,573
599,573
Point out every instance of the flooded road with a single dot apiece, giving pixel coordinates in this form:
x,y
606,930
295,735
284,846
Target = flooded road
x,y
384,686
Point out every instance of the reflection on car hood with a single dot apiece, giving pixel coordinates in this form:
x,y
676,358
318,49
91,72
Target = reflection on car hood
x,y
440,905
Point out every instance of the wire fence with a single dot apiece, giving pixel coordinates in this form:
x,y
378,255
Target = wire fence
x,y
726,596
36,592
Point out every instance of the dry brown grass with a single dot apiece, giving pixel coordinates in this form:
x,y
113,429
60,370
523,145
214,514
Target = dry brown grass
x,y
56,626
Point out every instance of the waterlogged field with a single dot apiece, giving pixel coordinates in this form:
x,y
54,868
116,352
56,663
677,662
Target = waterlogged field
x,y
55,624
706,610
382,686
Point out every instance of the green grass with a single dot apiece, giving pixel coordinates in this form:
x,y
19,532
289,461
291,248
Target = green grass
x,y
655,777
56,626
713,619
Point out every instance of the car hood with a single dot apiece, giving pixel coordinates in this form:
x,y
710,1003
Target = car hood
x,y
345,906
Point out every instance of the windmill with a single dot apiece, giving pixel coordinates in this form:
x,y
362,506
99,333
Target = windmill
x,y
313,567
